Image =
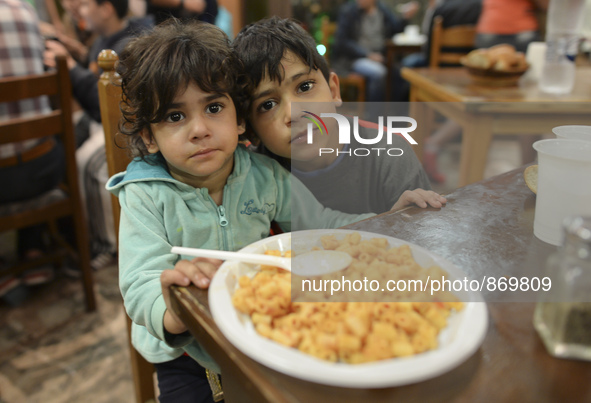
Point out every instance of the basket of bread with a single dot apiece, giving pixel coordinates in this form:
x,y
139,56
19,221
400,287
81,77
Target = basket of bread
x,y
500,65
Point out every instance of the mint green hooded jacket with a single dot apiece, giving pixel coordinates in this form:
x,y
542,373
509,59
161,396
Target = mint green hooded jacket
x,y
158,212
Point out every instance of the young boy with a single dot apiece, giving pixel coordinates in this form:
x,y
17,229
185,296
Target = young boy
x,y
190,185
286,79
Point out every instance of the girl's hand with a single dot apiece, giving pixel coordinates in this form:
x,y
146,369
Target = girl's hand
x,y
198,271
421,198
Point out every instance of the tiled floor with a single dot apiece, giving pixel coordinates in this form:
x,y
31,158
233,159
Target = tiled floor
x,y
52,351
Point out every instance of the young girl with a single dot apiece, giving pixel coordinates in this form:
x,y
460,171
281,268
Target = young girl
x,y
192,185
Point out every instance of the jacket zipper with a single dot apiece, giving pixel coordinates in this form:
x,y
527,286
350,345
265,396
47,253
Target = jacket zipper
x,y
222,219
223,222
222,216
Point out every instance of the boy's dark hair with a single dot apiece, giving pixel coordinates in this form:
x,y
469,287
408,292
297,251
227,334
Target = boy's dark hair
x,y
121,7
158,64
262,45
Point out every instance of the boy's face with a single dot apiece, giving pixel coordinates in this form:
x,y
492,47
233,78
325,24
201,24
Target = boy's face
x,y
282,126
198,136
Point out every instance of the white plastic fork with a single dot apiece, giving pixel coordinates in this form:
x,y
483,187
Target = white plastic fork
x,y
315,262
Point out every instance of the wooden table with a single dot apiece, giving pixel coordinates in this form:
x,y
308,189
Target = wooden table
x,y
486,111
486,228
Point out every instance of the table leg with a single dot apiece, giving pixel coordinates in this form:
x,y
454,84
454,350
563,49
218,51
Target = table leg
x,y
476,139
422,114
389,64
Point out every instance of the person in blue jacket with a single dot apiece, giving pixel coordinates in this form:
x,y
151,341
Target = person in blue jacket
x,y
191,184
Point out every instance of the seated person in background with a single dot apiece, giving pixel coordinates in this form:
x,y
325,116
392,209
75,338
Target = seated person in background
x,y
359,43
200,10
283,67
191,184
30,168
512,22
108,18
454,13
75,35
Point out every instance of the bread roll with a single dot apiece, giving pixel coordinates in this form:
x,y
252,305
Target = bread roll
x,y
478,58
500,58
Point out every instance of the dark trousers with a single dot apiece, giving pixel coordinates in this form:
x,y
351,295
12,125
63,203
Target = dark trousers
x,y
30,179
183,380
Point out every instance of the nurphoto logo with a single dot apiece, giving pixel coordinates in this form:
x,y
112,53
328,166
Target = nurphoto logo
x,y
345,133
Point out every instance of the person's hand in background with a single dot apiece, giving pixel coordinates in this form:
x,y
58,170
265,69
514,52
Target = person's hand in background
x,y
54,49
408,10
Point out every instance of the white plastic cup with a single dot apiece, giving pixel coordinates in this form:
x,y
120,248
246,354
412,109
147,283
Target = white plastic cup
x,y
535,57
573,132
564,185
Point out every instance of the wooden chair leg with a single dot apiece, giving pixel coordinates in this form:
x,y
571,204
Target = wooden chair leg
x,y
142,371
84,259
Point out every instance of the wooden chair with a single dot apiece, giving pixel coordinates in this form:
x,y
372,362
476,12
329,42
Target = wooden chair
x,y
459,39
59,203
117,160
353,84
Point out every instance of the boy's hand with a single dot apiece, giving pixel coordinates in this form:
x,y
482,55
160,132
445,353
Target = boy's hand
x,y
198,271
421,198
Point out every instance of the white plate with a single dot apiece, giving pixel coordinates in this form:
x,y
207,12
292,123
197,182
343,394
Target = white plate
x,y
458,341
402,39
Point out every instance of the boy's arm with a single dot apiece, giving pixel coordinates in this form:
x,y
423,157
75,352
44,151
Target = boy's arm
x,y
402,173
298,209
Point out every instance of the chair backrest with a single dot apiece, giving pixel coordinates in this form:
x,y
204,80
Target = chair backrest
x,y
48,126
117,160
110,98
459,40
56,85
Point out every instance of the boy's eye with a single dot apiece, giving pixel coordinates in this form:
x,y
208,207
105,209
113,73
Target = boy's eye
x,y
266,106
306,86
174,117
215,108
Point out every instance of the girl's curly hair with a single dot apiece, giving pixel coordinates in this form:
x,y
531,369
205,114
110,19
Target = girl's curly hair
x,y
156,66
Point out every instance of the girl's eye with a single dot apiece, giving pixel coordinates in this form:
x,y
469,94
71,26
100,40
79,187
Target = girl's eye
x,y
306,86
266,106
215,108
175,117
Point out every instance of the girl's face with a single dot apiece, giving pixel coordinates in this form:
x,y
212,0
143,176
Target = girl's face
x,y
198,137
277,112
